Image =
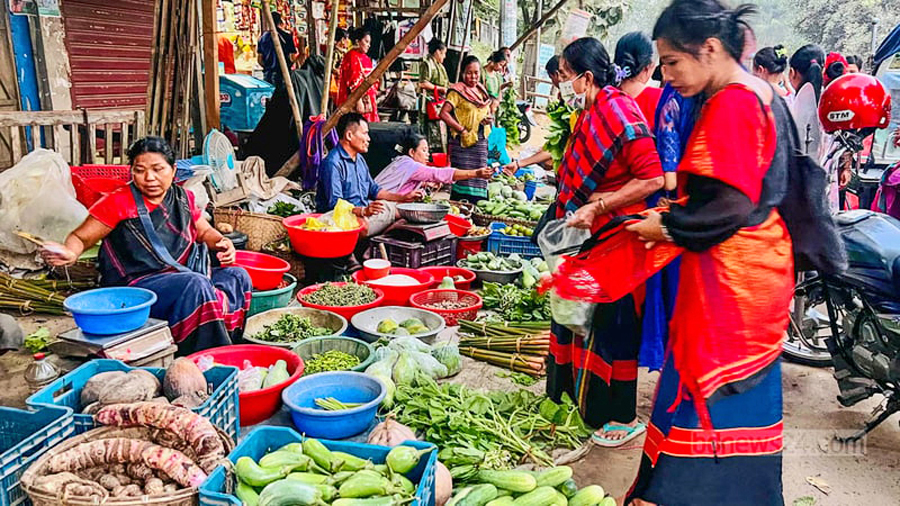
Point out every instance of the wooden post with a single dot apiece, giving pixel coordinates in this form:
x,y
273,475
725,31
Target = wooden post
x,y
211,63
549,14
469,15
385,63
329,53
311,29
285,72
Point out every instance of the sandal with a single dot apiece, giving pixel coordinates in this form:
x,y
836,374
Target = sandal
x,y
633,432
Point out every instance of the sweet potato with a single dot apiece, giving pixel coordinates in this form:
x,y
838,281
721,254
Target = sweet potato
x,y
168,488
92,408
192,400
154,486
109,482
133,490
96,384
69,485
195,430
136,386
175,464
139,471
182,378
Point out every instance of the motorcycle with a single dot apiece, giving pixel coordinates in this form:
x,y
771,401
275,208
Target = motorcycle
x,y
526,120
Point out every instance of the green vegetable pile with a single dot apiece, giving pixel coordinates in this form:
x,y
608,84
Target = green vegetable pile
x,y
331,360
559,132
291,329
38,340
503,201
308,473
405,358
332,404
349,294
486,261
284,209
514,304
508,117
508,427
551,487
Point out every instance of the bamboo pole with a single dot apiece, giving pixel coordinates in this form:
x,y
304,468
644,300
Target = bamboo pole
x,y
329,53
293,162
549,14
285,71
465,41
210,64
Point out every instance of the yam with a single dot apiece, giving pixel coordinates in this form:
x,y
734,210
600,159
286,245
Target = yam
x,y
133,490
154,486
140,472
118,491
109,481
69,485
170,487
182,378
136,386
160,400
96,384
92,408
191,400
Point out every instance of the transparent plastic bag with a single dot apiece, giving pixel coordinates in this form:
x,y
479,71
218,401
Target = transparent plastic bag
x,y
429,365
251,380
408,343
448,355
558,236
574,315
37,197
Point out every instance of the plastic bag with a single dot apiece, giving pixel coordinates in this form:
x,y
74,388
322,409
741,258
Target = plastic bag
x,y
558,236
385,353
205,363
250,380
448,355
344,218
497,146
37,197
429,365
574,315
408,343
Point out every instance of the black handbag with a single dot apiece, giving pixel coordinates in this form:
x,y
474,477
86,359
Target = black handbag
x,y
198,259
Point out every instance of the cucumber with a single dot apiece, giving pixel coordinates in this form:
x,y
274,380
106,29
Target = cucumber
x,y
290,493
554,477
541,496
506,500
255,476
588,496
478,495
568,488
560,499
608,501
516,481
246,494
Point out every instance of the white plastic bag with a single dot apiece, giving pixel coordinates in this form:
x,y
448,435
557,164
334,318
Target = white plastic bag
x,y
574,315
557,236
37,197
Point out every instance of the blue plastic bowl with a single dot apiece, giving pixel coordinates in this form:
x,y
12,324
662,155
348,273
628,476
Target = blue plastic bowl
x,y
107,311
344,386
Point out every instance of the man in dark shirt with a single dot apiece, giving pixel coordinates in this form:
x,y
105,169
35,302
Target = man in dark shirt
x,y
268,58
344,175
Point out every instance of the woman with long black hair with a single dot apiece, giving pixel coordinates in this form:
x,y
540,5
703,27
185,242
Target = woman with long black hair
x,y
634,57
769,64
715,435
609,170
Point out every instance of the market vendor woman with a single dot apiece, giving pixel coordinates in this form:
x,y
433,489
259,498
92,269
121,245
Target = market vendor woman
x,y
204,310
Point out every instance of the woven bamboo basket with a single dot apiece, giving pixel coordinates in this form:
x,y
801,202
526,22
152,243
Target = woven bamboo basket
x,y
261,229
281,248
485,220
184,497
465,208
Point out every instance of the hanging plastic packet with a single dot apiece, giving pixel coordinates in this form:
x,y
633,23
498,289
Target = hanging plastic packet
x,y
557,237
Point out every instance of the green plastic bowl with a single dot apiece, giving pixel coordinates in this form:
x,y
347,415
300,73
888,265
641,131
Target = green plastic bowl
x,y
317,345
273,299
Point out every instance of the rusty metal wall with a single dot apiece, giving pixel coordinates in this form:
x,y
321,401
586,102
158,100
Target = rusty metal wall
x,y
109,46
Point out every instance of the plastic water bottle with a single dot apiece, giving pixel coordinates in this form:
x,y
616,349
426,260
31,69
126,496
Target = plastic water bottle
x,y
41,372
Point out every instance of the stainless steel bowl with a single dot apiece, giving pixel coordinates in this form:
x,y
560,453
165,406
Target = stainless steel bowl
x,y
367,322
423,213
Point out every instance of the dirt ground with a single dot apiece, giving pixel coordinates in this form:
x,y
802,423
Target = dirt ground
x,y
868,474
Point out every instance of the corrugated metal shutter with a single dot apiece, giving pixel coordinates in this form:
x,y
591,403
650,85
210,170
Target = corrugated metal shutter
x,y
109,45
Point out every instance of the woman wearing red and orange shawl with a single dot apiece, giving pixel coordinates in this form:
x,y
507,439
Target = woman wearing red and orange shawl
x,y
355,67
609,169
715,435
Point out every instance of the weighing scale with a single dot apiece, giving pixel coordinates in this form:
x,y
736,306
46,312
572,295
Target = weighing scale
x,y
405,230
141,345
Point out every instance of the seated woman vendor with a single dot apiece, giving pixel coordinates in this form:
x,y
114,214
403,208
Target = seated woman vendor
x,y
345,175
204,309
409,171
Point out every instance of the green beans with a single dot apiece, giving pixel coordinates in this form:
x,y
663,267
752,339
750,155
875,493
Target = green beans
x,y
331,360
350,294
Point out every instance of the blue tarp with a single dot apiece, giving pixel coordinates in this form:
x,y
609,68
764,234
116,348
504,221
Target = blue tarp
x,y
889,47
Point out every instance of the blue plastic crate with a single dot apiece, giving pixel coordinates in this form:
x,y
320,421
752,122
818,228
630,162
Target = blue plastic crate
x,y
221,408
24,437
499,243
263,440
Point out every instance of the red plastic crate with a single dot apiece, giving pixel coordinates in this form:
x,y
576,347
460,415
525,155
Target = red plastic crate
x,y
92,182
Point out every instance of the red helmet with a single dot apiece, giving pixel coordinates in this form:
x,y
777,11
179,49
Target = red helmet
x,y
853,102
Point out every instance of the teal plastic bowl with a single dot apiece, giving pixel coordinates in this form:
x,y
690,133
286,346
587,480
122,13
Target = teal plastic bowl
x,y
273,299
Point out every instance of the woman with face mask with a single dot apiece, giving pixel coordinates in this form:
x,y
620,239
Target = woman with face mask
x,y
609,169
715,435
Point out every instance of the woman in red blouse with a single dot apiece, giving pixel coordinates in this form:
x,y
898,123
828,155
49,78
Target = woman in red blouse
x,y
610,168
634,57
355,68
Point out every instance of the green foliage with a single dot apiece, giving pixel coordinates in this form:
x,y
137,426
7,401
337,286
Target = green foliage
x,y
509,117
844,26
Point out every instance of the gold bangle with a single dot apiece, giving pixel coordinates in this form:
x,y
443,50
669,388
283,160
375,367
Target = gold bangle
x,y
602,205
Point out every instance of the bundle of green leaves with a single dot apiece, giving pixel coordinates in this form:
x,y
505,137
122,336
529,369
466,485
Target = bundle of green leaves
x,y
515,304
559,131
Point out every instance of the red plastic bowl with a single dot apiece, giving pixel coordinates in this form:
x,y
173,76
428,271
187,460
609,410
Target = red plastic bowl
x,y
451,316
260,405
440,273
317,243
458,225
346,311
398,295
266,271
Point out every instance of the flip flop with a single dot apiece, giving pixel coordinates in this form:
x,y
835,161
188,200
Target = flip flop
x,y
633,432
